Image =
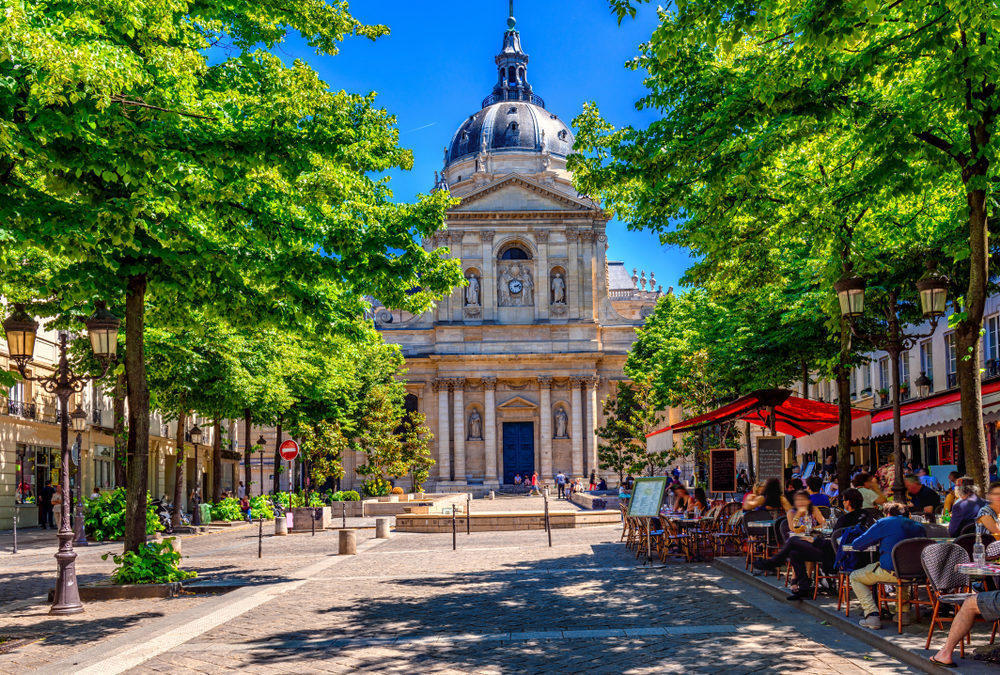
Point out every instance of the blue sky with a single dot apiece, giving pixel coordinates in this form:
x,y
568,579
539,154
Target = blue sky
x,y
437,65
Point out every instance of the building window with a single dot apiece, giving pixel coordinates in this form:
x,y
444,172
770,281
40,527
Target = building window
x,y
883,373
927,360
866,375
992,347
515,253
36,466
103,467
951,360
854,384
904,375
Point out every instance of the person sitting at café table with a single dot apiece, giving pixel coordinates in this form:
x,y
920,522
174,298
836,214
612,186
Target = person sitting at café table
x,y
681,499
923,500
801,548
927,479
989,515
886,533
814,486
987,604
699,500
949,499
853,514
832,489
870,491
756,491
771,498
794,485
966,507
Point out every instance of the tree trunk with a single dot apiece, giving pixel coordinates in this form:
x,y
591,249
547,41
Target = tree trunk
x,y
751,468
216,460
844,407
805,380
248,454
898,491
175,515
276,478
967,333
120,427
138,413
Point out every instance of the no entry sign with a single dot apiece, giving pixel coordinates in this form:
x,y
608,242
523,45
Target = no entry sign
x,y
289,450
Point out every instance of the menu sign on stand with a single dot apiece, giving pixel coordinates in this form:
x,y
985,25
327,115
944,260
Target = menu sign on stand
x,y
722,470
771,458
647,497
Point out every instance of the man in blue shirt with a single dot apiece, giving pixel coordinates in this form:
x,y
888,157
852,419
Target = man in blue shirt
x,y
886,533
965,509
814,486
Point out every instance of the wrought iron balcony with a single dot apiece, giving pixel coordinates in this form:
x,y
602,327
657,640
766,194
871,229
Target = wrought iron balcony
x,y
98,417
22,409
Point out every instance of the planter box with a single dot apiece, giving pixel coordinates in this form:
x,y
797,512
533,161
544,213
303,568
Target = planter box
x,y
109,591
302,517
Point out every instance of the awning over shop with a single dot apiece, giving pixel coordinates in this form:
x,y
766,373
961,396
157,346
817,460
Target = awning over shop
x,y
793,416
935,413
861,427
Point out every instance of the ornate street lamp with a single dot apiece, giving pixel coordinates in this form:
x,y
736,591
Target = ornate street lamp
x,y
20,330
933,289
923,384
196,435
261,442
78,421
933,296
851,294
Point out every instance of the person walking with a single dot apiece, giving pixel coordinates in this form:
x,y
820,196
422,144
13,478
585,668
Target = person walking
x,y
45,496
561,485
593,481
241,491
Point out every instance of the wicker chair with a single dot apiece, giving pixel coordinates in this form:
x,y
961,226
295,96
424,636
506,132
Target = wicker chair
x,y
729,534
946,586
908,568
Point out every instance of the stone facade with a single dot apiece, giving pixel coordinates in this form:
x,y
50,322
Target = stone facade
x,y
511,369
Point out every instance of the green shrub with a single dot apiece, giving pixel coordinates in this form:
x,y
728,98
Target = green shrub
x,y
105,516
261,507
349,496
227,509
155,563
376,487
297,499
316,499
283,499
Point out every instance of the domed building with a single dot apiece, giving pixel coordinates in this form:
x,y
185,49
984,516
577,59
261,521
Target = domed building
x,y
511,369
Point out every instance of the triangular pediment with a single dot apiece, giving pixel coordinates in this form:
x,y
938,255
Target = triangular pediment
x,y
518,193
517,402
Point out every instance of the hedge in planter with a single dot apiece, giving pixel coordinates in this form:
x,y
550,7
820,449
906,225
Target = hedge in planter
x,y
105,516
155,563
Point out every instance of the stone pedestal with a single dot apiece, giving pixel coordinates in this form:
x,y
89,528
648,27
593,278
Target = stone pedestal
x,y
280,526
348,542
381,528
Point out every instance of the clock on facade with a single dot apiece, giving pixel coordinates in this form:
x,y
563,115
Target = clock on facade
x,y
515,286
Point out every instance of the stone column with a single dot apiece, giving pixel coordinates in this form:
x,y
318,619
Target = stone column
x,y
488,287
574,286
545,426
576,426
444,454
490,429
589,243
592,383
459,429
542,289
458,296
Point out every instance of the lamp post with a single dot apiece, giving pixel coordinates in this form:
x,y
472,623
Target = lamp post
x,y
20,330
261,442
933,291
195,434
923,384
78,418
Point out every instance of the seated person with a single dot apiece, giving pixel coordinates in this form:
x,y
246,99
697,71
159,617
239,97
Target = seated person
x,y
927,479
966,507
517,479
794,485
922,499
752,497
699,501
987,604
853,515
886,533
603,485
949,499
681,499
798,550
988,521
832,489
771,498
814,487
870,491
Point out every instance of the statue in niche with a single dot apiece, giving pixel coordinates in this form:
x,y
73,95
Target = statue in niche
x,y
472,291
561,423
558,290
475,426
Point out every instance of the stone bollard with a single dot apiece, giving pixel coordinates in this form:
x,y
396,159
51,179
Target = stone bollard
x,y
348,542
493,494
381,528
280,526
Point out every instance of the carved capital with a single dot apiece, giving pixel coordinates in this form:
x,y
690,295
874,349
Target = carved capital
x,y
490,383
541,236
588,237
572,235
545,382
439,384
455,238
457,384
487,236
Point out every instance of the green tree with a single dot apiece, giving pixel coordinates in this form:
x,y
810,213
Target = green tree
x,y
628,416
155,170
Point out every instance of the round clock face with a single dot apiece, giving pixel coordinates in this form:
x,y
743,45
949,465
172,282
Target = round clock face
x,y
515,286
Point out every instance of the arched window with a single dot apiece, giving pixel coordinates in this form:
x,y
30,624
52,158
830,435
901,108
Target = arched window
x,y
511,75
515,253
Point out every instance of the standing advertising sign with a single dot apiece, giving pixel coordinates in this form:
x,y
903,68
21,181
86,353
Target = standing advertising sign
x,y
771,458
647,497
721,470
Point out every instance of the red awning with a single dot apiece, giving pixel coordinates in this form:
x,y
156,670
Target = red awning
x,y
930,402
793,416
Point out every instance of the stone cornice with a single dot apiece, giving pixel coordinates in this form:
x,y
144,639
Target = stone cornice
x,y
528,184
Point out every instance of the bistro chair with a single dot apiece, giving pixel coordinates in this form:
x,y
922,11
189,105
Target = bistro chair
x,y
968,541
908,568
728,534
843,580
757,545
946,585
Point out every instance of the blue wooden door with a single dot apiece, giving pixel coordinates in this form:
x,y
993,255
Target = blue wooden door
x,y
518,450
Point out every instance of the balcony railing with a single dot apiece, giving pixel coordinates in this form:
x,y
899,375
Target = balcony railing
x,y
952,380
22,409
98,417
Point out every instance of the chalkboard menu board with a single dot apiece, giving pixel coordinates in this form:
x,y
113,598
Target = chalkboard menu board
x,y
647,496
771,458
722,470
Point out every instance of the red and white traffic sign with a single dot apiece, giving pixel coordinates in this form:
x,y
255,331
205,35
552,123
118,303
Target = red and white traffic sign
x,y
288,450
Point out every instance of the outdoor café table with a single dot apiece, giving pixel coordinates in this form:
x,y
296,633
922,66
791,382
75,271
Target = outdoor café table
x,y
987,573
766,525
685,523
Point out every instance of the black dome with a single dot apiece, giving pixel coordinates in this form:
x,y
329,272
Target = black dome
x,y
513,126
